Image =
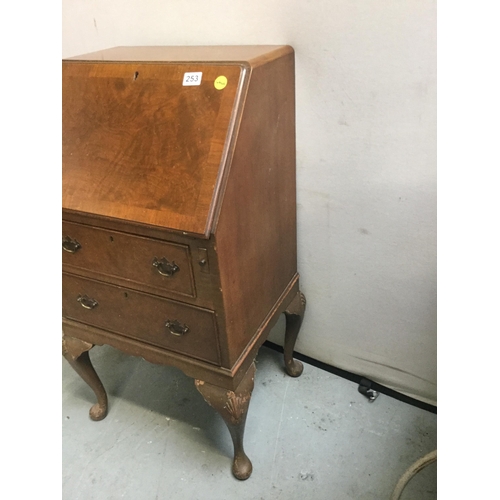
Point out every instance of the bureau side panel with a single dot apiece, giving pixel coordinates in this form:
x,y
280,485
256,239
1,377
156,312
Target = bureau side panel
x,y
255,232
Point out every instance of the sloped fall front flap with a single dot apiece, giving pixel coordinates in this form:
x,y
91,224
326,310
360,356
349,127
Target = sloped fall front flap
x,y
141,145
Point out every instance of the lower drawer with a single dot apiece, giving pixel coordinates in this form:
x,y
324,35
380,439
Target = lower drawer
x,y
165,323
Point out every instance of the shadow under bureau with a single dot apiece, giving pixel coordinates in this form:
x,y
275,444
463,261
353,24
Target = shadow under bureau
x,y
179,215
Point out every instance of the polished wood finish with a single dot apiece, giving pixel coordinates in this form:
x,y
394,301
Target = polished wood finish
x,y
294,314
257,244
162,171
142,316
76,353
179,215
252,55
129,259
232,406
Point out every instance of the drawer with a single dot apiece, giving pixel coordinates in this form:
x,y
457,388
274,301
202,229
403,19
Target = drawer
x,y
159,265
162,322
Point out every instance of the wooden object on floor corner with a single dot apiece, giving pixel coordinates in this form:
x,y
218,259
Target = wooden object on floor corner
x,y
179,214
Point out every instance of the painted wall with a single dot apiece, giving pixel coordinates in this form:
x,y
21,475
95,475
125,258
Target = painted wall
x,y
366,153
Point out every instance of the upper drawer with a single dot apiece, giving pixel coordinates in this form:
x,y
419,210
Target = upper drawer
x,y
158,265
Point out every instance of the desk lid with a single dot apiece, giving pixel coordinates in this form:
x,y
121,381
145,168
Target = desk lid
x,y
141,146
147,130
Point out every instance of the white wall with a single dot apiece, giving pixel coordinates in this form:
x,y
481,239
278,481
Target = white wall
x,y
366,152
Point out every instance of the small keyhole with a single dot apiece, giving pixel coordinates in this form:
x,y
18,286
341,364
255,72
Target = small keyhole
x,y
136,75
111,238
125,294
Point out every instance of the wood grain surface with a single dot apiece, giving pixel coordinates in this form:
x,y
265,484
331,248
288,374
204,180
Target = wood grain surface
x,y
201,176
140,146
142,316
255,235
125,257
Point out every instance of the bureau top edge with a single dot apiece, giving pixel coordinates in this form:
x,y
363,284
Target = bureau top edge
x,y
252,55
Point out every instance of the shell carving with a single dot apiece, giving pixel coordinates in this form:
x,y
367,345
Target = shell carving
x,y
236,406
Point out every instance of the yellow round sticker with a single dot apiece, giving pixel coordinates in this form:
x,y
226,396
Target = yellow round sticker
x,y
220,82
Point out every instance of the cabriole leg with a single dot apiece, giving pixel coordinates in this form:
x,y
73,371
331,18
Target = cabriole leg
x,y
294,315
77,354
233,408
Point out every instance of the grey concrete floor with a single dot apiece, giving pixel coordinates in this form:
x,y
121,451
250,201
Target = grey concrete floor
x,y
314,437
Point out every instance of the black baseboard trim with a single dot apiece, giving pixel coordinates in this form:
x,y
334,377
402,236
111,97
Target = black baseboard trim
x,y
356,378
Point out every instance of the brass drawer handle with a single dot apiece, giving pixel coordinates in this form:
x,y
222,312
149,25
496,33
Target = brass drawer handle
x,y
176,328
164,267
87,302
70,245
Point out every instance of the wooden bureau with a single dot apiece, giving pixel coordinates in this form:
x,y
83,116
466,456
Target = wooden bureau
x,y
179,215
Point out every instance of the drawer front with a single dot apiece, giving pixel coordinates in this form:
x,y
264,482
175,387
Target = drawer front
x,y
148,318
159,265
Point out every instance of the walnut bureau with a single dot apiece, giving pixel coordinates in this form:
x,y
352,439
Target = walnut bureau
x,y
179,215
